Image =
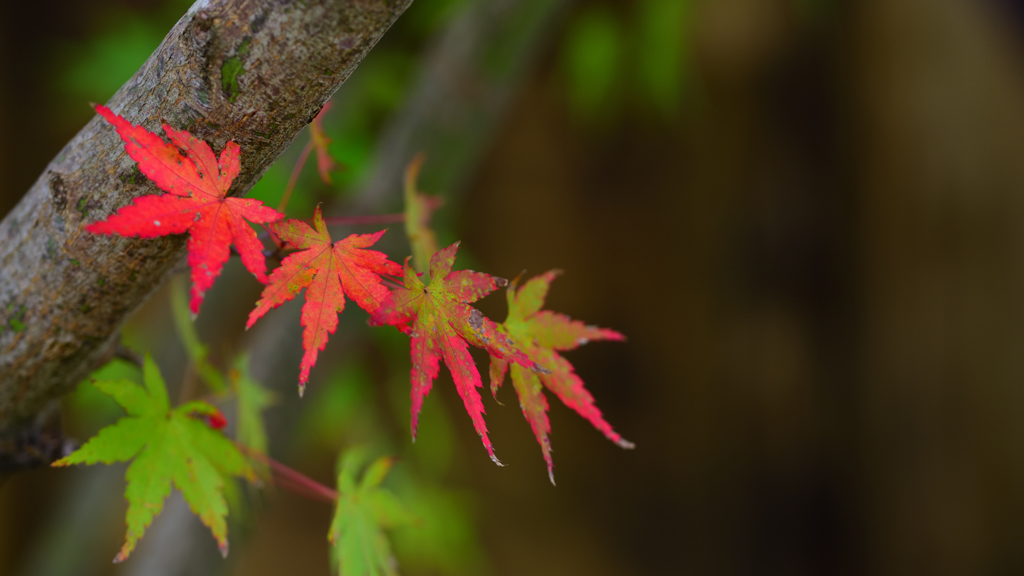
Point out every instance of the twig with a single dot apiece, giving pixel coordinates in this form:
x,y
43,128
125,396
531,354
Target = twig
x,y
128,355
294,178
291,479
268,232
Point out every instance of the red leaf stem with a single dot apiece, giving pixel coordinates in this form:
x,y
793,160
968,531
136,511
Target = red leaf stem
x,y
291,479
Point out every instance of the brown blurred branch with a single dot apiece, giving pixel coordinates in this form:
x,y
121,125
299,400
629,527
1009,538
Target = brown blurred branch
x,y
465,85
252,71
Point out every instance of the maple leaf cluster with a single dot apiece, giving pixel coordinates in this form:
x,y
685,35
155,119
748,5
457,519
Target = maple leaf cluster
x,y
185,446
437,315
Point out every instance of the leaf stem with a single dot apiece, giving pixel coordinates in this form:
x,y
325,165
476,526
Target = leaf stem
x,y
269,232
291,479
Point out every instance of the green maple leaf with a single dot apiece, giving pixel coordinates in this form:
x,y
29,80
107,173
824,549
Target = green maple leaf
x,y
364,512
166,447
540,334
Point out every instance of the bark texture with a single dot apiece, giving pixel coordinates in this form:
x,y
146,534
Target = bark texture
x,y
252,71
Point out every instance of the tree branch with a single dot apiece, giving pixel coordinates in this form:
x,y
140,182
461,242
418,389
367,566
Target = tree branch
x,y
252,71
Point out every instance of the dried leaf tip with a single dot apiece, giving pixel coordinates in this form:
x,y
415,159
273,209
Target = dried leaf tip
x,y
626,444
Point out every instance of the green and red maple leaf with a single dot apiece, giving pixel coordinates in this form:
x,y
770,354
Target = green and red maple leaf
x,y
441,324
328,271
197,183
541,334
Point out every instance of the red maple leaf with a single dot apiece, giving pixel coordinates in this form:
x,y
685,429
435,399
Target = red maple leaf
x,y
198,204
442,324
328,270
540,334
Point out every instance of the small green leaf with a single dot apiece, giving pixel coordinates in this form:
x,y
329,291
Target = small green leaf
x,y
132,397
364,512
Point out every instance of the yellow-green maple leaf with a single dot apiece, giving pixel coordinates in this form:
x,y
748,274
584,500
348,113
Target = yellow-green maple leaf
x,y
542,334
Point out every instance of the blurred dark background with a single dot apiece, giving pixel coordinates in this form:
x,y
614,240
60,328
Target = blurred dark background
x,y
806,215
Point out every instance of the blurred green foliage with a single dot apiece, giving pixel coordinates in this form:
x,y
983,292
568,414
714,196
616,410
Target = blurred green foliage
x,y
337,413
593,56
253,399
661,53
445,539
363,512
196,350
121,40
425,18
610,58
95,71
343,412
